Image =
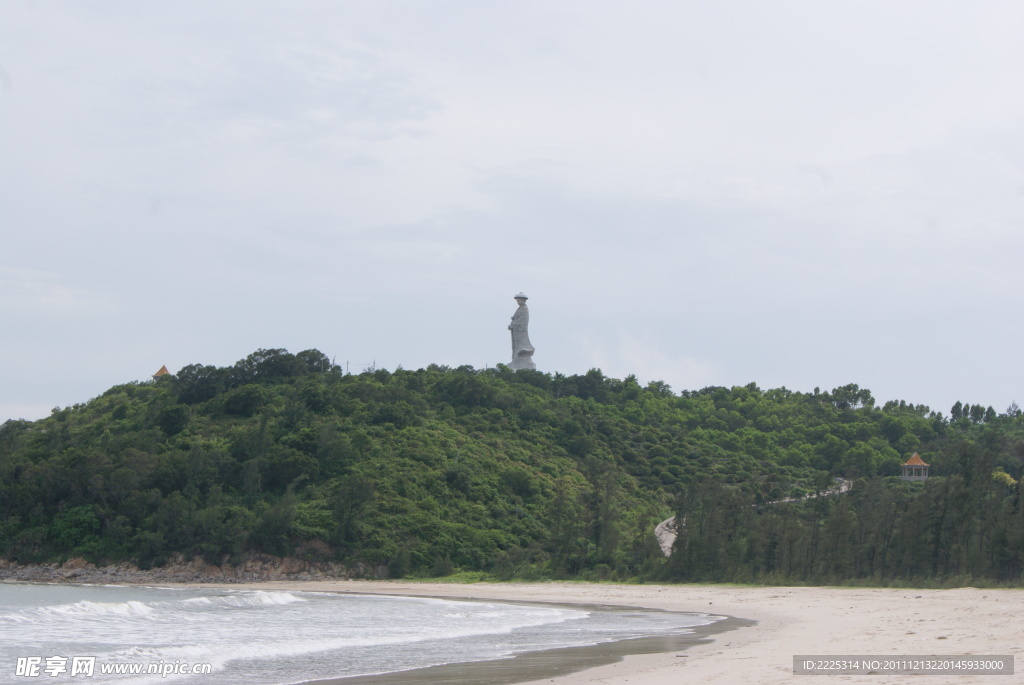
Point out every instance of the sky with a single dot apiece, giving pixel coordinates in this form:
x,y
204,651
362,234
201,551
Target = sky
x,y
790,193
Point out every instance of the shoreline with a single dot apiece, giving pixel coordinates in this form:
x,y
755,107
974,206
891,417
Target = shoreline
x,y
773,624
780,622
539,666
544,665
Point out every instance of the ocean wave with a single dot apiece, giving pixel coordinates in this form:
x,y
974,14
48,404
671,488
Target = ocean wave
x,y
259,636
159,611
219,655
16,618
87,608
257,598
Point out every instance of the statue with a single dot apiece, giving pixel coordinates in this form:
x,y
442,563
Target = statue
x,y
522,350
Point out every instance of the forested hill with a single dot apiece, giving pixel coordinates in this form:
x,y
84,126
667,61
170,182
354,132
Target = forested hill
x,y
513,473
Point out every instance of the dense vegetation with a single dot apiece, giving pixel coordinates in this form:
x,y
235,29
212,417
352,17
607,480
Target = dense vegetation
x,y
521,474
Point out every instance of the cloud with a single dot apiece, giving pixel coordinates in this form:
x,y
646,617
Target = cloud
x,y
30,412
6,82
31,291
648,361
788,195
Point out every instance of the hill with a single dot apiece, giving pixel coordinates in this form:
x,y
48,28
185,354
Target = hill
x,y
511,473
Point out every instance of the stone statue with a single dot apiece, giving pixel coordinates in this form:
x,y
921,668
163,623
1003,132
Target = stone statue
x,y
522,350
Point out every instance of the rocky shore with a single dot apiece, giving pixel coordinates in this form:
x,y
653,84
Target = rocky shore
x,y
256,568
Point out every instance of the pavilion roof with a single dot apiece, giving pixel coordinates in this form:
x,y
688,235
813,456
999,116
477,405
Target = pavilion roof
x,y
915,461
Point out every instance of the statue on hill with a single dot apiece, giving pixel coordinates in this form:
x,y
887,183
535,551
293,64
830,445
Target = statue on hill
x,y
522,350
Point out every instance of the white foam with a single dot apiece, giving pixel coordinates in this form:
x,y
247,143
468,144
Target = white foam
x,y
16,618
198,601
87,608
256,598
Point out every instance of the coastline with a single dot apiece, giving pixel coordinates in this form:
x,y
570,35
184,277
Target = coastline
x,y
543,665
776,623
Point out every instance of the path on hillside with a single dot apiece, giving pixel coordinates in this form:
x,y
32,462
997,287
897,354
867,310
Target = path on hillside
x,y
667,530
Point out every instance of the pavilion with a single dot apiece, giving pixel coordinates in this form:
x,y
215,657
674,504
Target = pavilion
x,y
915,468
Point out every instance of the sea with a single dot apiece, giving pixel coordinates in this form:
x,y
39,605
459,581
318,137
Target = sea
x,y
138,635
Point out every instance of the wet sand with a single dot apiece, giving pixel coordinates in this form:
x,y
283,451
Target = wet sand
x,y
775,624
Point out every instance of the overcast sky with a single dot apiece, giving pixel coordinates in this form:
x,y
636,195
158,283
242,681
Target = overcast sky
x,y
796,193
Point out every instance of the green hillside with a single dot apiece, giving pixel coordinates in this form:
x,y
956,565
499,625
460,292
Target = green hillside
x,y
521,474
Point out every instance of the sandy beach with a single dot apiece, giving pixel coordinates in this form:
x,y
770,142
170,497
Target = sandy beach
x,y
789,621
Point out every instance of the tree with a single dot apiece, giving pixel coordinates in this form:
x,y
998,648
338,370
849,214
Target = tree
x,y
272,532
267,366
285,465
197,383
957,411
224,531
173,419
566,527
75,527
315,362
851,397
244,401
348,502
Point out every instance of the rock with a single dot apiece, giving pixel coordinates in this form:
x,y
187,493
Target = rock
x,y
255,567
77,563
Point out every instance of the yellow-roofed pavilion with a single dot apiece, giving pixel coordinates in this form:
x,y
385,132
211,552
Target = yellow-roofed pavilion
x,y
915,468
